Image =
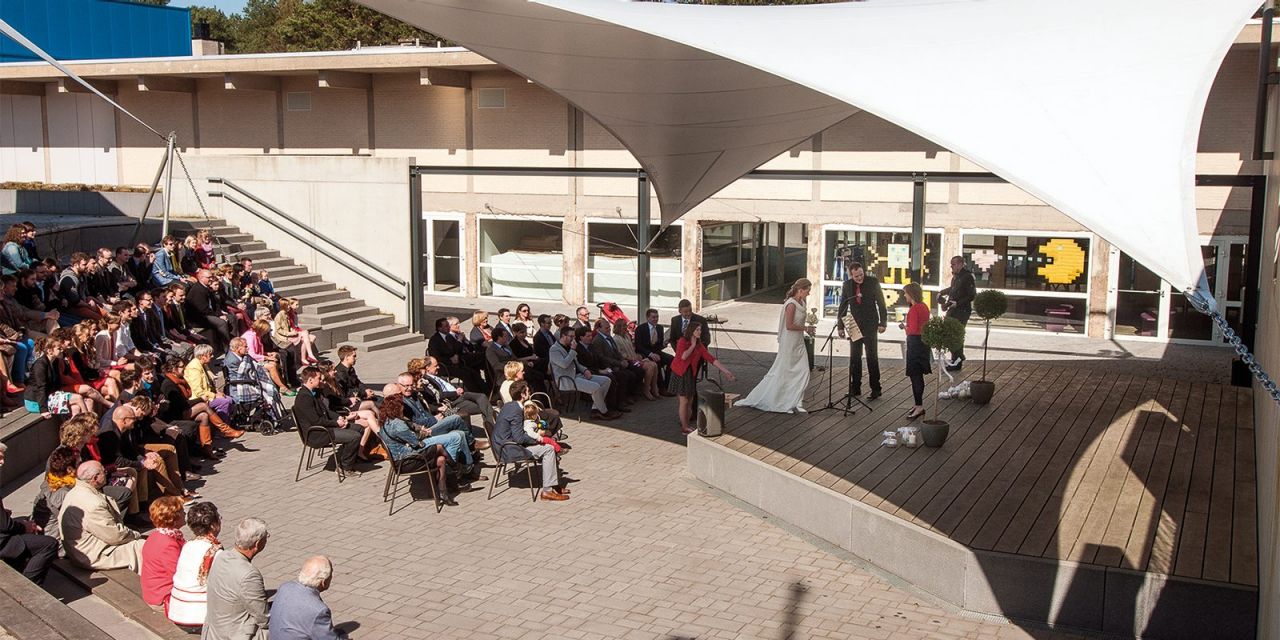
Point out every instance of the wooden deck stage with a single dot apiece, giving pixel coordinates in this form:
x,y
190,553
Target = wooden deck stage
x,y
1067,463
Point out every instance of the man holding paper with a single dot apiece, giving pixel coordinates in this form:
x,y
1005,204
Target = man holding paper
x,y
862,300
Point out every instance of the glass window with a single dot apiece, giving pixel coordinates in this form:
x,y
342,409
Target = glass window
x,y
885,254
1028,263
729,261
1236,269
720,246
1043,313
446,255
611,264
521,259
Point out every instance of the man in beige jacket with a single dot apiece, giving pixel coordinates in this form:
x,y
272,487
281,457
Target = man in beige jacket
x,y
93,533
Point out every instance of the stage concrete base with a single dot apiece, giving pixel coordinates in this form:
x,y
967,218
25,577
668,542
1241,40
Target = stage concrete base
x,y
1056,593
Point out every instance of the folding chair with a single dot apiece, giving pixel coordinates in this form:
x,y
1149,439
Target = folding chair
x,y
317,440
396,471
513,455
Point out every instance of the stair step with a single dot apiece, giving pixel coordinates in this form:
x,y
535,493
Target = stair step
x,y
329,306
252,245
260,254
335,333
373,335
296,290
271,264
337,315
282,271
389,343
236,238
287,281
335,295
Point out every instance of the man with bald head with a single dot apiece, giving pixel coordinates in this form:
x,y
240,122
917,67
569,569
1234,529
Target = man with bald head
x,y
201,312
298,612
93,531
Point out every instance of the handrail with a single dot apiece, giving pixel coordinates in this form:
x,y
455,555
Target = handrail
x,y
399,293
313,232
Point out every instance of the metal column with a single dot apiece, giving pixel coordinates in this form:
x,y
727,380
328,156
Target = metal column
x,y
414,299
642,245
1265,65
168,184
917,230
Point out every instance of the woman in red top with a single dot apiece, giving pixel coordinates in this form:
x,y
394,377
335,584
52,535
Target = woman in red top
x,y
161,550
917,352
690,353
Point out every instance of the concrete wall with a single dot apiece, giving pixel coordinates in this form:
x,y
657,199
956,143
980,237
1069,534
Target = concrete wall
x,y
361,202
1267,412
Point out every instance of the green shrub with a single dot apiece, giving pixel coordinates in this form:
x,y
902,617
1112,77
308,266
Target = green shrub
x,y
943,333
990,304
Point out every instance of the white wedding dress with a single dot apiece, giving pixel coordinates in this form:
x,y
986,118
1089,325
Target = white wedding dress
x,y
782,389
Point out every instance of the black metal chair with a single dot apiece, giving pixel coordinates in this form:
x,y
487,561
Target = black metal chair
x,y
317,441
512,455
418,464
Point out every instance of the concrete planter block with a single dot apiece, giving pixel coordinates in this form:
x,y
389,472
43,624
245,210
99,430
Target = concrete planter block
x,y
1056,592
1172,608
8,201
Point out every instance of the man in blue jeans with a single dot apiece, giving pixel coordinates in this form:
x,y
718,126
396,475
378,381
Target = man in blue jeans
x,y
439,429
509,435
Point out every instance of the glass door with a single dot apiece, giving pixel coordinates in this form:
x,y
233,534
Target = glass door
x,y
443,260
1140,301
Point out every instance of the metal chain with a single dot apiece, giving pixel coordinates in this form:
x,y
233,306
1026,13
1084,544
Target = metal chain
x,y
1236,343
199,200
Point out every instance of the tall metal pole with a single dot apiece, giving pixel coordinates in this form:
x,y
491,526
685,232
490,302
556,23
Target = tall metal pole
x,y
168,184
917,231
415,299
155,184
642,244
1265,65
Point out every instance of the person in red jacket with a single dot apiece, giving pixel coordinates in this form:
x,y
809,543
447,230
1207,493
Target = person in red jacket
x,y
161,550
917,360
690,354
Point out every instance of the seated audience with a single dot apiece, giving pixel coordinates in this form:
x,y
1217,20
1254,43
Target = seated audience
x,y
119,446
515,371
436,420
44,394
73,290
618,392
604,347
582,318
249,381
520,347
650,344
349,383
200,381
59,477
176,404
298,612
13,256
415,449
93,532
542,341
187,599
175,317
439,392
270,362
572,376
34,319
80,433
498,353
452,353
504,320
286,332
535,428
647,368
161,551
200,310
523,314
236,597
480,330
164,263
23,544
509,435
311,409
205,254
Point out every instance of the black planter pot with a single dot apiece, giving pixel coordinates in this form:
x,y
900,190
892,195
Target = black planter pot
x,y
982,391
935,432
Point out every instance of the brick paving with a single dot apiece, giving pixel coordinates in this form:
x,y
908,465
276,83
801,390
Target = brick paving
x,y
641,551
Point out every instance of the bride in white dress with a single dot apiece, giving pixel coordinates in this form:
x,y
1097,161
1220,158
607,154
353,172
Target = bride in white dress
x,y
782,389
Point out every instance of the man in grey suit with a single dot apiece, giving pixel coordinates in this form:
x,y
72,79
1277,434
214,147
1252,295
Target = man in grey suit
x,y
237,608
298,612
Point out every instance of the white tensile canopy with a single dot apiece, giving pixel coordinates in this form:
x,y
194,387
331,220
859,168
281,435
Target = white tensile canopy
x,y
1092,106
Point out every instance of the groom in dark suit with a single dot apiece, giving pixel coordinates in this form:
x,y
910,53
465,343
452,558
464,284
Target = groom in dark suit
x,y
649,344
682,320
861,297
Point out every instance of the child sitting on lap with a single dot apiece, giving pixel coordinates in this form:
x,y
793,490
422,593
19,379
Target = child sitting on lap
x,y
536,428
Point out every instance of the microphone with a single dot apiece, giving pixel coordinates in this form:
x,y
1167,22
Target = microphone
x,y
714,319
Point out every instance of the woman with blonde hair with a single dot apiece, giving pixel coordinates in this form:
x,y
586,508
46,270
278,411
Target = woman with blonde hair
x,y
627,349
480,329
286,332
782,388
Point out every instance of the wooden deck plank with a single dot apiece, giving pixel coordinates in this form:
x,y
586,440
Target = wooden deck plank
x,y
942,464
1244,531
1079,508
755,428
1164,544
1217,543
1011,458
1018,510
959,483
921,463
1189,558
1045,529
1121,490
1151,505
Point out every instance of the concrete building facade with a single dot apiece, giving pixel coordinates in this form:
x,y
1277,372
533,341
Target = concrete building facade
x,y
567,239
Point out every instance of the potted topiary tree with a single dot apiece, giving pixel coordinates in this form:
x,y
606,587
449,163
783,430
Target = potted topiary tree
x,y
989,305
942,335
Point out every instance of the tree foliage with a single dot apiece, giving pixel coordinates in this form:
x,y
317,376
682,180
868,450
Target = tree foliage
x,y
273,26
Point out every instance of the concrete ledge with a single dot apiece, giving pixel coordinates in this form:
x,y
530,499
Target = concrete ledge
x,y
122,589
1039,590
28,612
30,438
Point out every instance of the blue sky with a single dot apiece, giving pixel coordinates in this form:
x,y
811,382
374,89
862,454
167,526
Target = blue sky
x,y
228,6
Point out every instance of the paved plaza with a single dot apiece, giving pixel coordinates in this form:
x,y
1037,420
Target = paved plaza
x,y
641,551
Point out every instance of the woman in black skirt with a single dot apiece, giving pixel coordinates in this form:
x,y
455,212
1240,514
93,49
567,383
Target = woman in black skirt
x,y
690,353
917,352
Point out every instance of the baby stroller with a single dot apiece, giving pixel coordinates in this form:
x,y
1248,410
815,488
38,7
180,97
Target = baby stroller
x,y
611,312
252,409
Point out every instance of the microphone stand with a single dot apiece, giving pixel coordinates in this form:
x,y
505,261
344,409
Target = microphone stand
x,y
845,403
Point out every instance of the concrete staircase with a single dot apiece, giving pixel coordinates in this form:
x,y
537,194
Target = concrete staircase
x,y
341,318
